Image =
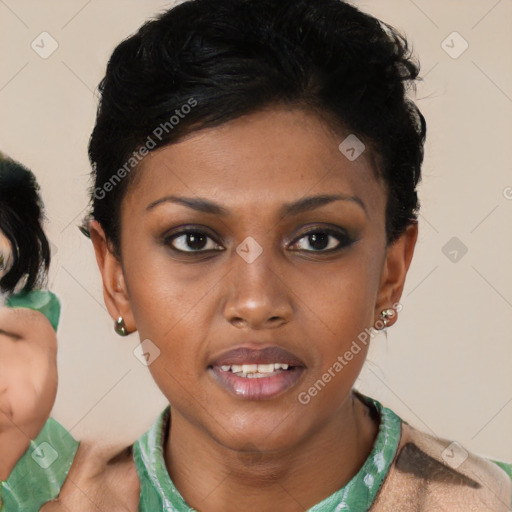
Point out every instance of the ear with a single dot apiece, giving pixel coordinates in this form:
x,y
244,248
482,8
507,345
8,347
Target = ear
x,y
115,292
396,265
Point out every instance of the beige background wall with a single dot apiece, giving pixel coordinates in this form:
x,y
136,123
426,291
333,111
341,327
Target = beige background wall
x,y
446,365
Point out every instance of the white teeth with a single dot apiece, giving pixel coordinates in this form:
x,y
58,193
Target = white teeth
x,y
249,368
254,370
266,368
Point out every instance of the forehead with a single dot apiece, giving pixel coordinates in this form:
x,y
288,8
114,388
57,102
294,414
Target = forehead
x,y
267,157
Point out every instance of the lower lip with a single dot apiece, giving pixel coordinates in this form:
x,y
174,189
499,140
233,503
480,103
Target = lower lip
x,y
262,388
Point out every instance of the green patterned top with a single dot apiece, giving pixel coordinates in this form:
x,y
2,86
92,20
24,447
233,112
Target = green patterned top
x,y
159,493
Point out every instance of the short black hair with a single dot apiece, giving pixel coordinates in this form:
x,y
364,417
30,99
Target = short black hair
x,y
21,216
206,62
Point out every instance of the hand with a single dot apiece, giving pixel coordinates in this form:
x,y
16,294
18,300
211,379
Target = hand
x,y
28,381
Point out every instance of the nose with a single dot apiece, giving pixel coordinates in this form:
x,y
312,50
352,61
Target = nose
x,y
257,295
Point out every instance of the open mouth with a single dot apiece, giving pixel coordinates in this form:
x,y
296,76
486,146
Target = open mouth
x,y
256,373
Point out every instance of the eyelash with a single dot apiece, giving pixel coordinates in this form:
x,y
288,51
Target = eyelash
x,y
344,240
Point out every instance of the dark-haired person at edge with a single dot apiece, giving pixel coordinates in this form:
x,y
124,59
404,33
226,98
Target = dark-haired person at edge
x,y
253,211
29,316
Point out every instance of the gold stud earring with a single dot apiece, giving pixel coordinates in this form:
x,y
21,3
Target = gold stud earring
x,y
120,327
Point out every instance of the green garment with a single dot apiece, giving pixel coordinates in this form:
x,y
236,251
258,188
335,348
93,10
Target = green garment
x,y
159,493
39,474
43,301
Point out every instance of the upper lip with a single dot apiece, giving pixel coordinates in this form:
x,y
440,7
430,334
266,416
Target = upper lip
x,y
266,355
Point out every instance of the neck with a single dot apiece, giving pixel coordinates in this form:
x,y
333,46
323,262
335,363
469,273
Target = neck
x,y
213,478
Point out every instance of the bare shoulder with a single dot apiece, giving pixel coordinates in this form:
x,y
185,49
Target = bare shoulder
x,y
101,478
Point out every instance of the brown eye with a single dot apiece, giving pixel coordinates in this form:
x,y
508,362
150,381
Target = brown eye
x,y
192,241
322,240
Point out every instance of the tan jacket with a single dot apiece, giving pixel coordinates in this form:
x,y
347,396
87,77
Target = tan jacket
x,y
430,474
427,475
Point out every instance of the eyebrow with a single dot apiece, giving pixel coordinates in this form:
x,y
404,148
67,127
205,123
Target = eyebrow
x,y
289,209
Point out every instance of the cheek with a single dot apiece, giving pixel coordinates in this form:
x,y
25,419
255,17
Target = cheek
x,y
163,295
342,302
171,309
342,295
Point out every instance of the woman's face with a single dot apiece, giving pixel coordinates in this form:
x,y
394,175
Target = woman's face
x,y
257,234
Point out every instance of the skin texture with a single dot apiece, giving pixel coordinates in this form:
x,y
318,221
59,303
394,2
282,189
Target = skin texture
x,y
5,255
101,478
28,380
224,452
